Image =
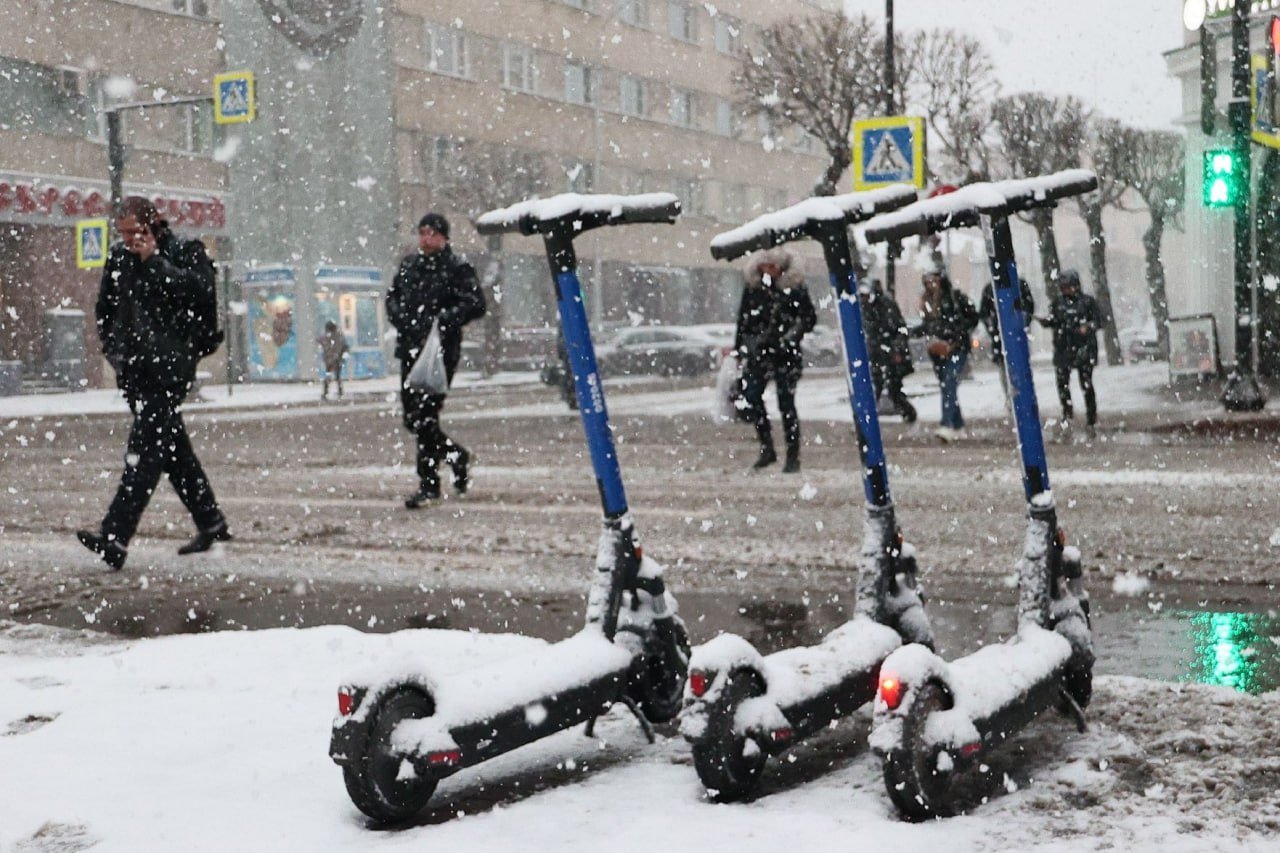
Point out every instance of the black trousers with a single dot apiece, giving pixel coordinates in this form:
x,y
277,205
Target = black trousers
x,y
158,444
1062,373
785,380
888,381
422,418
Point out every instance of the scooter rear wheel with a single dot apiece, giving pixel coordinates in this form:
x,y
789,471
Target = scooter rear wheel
x,y
728,764
374,777
916,785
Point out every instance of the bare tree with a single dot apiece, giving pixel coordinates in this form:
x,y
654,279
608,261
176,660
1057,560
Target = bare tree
x,y
954,83
1107,142
1040,134
1156,169
473,177
820,73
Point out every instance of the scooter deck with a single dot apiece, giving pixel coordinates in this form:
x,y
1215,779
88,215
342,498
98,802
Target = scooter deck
x,y
493,709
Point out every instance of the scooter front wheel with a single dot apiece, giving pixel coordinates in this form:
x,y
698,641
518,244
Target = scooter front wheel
x,y
666,666
381,782
729,764
916,783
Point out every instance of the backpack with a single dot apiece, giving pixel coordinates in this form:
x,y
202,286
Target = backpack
x,y
206,337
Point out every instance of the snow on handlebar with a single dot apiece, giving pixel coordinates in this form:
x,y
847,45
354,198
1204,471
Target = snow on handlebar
x,y
579,212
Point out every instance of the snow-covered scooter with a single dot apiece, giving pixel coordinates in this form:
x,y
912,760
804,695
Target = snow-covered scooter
x,y
740,706
934,719
397,736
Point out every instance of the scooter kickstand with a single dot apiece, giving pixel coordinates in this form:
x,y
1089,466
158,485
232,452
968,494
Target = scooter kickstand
x,y
1074,711
645,725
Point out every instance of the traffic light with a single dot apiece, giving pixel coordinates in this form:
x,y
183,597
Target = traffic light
x,y
1222,178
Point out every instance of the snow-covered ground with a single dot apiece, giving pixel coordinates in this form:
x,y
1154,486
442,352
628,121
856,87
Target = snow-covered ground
x,y
218,742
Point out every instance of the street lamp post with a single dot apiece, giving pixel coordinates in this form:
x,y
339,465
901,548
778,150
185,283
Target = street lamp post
x,y
116,154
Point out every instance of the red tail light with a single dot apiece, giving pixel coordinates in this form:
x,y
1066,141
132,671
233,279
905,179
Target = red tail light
x,y
445,758
891,692
346,702
970,749
699,683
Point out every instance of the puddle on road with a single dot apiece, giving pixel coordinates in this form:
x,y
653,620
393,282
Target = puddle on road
x,y
1211,634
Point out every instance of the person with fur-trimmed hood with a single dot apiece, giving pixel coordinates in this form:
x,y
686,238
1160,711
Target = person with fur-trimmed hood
x,y
773,318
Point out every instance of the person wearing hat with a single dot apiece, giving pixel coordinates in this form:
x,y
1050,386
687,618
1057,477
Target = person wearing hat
x,y
774,316
890,351
432,285
1075,319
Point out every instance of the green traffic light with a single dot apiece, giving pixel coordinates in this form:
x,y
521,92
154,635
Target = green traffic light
x,y
1221,178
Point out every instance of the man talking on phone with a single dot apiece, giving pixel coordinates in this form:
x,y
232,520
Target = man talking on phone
x,y
154,308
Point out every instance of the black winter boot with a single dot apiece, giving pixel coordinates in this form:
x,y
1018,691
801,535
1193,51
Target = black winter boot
x,y
767,457
461,475
204,539
792,465
111,551
426,493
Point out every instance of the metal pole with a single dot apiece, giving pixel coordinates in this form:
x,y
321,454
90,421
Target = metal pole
x,y
890,83
1242,393
226,323
115,162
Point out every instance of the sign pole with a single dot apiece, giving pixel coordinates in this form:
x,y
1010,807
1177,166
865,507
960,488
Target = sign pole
x,y
891,248
226,323
115,162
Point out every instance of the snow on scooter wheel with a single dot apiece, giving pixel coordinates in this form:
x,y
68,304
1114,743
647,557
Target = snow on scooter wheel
x,y
383,784
916,782
666,666
729,764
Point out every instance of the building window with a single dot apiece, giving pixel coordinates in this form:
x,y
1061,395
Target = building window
x,y
734,201
579,83
584,5
728,35
682,21
689,191
439,155
517,67
447,51
681,107
727,122
632,96
199,8
634,12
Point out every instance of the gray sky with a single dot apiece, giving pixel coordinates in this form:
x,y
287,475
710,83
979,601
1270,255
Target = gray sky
x,y
1106,52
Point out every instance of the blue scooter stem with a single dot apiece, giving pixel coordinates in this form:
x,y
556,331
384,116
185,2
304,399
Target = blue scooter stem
x,y
834,238
590,391
1017,356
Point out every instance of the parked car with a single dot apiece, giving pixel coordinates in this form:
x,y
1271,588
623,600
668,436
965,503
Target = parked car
x,y
822,347
1141,344
665,350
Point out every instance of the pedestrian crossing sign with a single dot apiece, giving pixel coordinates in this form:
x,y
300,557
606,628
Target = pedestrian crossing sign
x,y
91,244
888,151
234,97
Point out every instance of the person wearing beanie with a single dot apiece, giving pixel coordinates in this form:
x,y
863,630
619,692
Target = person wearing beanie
x,y
1075,319
432,285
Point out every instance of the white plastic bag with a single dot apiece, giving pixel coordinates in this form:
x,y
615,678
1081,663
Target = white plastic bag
x,y
728,389
428,373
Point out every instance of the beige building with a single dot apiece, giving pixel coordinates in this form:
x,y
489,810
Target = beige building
x,y
434,104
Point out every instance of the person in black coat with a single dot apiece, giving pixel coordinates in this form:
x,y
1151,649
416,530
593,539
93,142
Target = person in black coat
x,y
947,320
154,290
988,310
432,285
890,350
1075,319
773,318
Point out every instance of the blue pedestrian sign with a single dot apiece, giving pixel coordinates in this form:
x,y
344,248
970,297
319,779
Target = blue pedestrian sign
x,y
91,244
234,99
888,151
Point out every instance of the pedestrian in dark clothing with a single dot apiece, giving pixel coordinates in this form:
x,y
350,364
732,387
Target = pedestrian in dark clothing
x,y
1026,305
890,350
775,315
333,348
947,320
432,285
1075,319
568,392
154,290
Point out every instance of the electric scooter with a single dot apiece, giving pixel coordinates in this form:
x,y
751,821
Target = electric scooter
x,y
397,736
740,706
935,719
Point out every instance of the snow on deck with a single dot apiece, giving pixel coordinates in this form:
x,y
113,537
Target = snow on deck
x,y
801,673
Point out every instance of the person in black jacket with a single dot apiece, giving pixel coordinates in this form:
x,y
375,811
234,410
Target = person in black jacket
x,y
432,285
890,351
947,320
988,310
155,288
773,318
1075,319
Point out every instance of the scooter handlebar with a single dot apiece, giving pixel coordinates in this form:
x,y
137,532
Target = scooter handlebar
x,y
965,206
800,220
575,213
